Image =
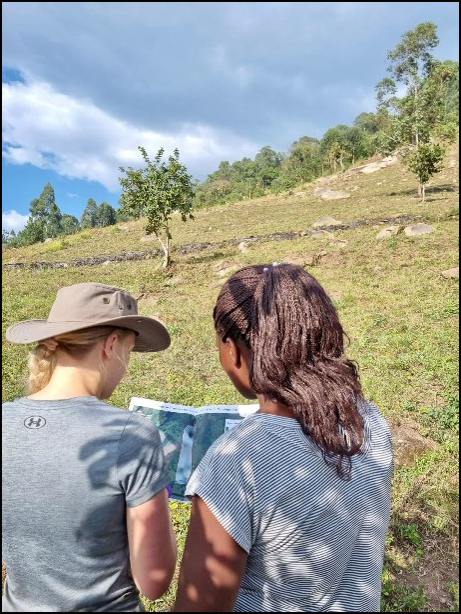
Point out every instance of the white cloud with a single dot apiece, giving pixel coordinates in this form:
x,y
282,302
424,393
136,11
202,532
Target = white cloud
x,y
248,68
12,220
71,195
77,139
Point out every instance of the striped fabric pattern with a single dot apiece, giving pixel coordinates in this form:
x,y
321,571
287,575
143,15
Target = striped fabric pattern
x,y
315,542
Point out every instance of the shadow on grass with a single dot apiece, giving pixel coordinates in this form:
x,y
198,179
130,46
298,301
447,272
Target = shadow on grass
x,y
206,258
429,190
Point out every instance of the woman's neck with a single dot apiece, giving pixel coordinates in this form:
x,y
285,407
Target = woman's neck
x,y
274,407
68,382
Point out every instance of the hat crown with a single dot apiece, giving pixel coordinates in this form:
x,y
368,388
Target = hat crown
x,y
91,302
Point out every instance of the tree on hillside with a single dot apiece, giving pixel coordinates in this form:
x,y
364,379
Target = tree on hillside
x,y
343,143
267,164
122,215
369,125
224,171
333,147
53,226
242,179
301,164
89,217
106,215
218,190
7,236
217,186
419,122
245,182
356,143
45,212
33,232
45,220
40,207
70,224
162,189
368,122
451,100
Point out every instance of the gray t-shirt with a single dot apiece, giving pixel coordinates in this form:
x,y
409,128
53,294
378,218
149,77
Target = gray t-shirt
x,y
70,469
314,542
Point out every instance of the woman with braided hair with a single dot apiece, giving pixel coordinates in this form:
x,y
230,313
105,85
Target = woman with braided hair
x,y
290,509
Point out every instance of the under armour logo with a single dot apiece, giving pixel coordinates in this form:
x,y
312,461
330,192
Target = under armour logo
x,y
34,422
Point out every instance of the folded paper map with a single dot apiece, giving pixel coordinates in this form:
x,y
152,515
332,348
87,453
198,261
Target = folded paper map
x,y
187,433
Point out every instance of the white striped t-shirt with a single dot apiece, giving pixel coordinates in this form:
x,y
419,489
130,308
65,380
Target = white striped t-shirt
x,y
315,542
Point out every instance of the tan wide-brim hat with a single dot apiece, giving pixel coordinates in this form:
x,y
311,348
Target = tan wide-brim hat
x,y
90,304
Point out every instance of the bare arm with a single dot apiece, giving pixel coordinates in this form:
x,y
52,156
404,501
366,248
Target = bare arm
x,y
212,566
152,545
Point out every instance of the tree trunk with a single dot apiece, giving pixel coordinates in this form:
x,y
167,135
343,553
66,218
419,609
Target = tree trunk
x,y
341,161
423,192
420,191
166,259
417,117
166,251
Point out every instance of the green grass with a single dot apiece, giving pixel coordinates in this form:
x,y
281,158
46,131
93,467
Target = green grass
x,y
398,598
400,313
56,246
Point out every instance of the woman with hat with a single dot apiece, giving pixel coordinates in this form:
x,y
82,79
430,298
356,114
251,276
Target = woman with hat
x,y
86,524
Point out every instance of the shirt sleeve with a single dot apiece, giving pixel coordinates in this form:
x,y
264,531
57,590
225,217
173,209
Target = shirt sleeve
x,y
141,466
221,482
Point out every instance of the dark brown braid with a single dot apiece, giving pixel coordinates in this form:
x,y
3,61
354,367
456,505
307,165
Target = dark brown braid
x,y
284,316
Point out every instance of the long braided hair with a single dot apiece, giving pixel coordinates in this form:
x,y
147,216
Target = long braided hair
x,y
289,324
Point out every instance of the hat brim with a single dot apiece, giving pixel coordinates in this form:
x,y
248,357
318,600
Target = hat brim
x,y
151,334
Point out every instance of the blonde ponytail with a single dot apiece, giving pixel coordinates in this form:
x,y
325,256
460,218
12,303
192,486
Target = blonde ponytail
x,y
42,361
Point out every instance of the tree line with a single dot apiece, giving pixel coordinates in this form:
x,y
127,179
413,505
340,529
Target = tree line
x,y
415,125
47,222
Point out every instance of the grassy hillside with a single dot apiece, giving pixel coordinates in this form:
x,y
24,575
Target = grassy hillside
x,y
389,192
400,313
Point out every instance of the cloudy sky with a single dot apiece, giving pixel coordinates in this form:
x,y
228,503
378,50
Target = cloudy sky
x,y
85,83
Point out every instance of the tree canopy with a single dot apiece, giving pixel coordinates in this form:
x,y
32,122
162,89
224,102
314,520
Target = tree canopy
x,y
159,189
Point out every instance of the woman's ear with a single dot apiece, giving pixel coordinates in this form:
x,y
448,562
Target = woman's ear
x,y
235,359
234,352
50,344
108,345
231,352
